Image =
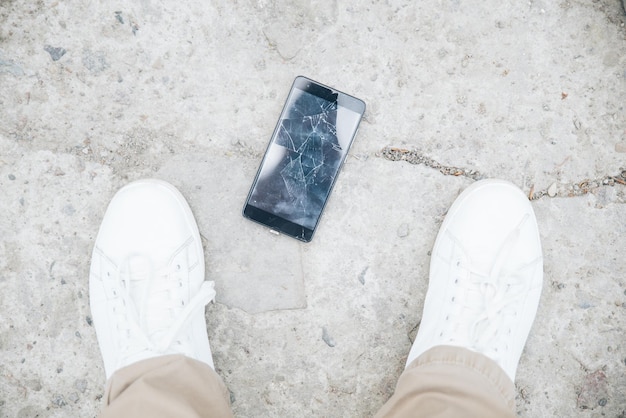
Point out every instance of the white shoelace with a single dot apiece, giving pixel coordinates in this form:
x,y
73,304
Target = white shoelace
x,y
494,296
153,313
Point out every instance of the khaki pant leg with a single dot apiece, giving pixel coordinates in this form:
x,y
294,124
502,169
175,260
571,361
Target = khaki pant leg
x,y
167,386
452,382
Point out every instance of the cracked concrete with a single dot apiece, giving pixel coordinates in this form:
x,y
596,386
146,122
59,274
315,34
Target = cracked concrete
x,y
93,95
572,189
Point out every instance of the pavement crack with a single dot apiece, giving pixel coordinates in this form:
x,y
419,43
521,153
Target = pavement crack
x,y
416,157
578,188
556,189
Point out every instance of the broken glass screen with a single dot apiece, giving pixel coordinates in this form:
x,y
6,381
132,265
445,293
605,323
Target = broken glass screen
x,y
299,169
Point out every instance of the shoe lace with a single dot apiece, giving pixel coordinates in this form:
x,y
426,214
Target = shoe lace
x,y
153,311
492,297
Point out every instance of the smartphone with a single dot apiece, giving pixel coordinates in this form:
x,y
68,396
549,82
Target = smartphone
x,y
308,147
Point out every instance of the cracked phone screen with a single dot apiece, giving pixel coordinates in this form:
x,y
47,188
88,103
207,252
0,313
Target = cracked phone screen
x,y
304,158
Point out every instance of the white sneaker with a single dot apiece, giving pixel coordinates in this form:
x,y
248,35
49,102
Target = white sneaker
x,y
486,274
146,284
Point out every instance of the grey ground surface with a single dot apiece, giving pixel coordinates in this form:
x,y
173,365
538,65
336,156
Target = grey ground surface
x,y
96,94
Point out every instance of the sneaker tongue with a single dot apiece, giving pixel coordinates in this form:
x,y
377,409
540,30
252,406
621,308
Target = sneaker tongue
x,y
145,289
136,274
137,269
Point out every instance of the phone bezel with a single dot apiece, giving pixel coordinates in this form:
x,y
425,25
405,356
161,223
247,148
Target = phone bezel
x,y
277,223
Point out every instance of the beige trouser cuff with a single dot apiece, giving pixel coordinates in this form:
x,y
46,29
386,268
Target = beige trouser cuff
x,y
167,386
451,382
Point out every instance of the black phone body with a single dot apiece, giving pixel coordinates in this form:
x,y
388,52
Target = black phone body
x,y
308,147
